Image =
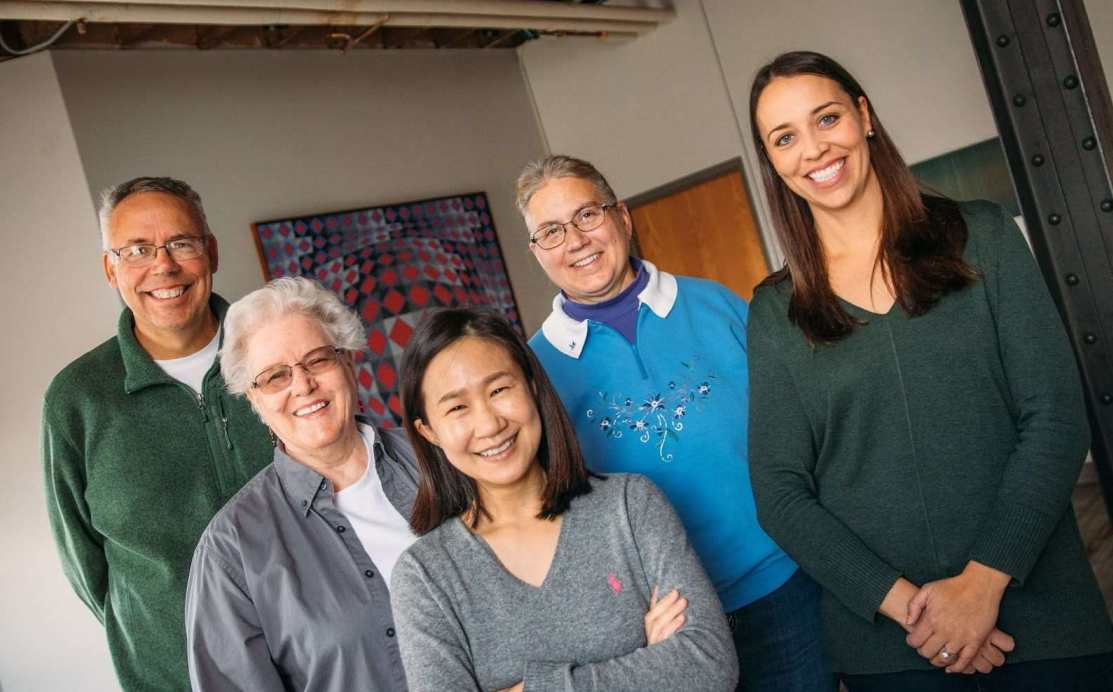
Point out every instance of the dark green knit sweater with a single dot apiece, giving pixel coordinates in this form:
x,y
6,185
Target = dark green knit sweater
x,y
136,465
915,445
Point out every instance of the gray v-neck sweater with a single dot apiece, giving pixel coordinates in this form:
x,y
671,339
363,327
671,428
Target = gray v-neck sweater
x,y
466,623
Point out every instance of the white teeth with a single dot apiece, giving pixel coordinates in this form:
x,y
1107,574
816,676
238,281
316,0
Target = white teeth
x,y
827,173
166,293
310,409
586,261
500,449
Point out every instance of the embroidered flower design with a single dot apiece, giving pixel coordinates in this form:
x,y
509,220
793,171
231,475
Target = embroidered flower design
x,y
616,585
658,417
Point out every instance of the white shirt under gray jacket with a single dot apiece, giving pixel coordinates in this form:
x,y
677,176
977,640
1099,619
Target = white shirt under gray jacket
x,y
466,624
282,594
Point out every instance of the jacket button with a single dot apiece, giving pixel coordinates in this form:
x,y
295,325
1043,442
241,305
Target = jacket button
x,y
390,631
339,529
368,573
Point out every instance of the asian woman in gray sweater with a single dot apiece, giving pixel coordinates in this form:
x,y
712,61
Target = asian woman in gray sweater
x,y
532,574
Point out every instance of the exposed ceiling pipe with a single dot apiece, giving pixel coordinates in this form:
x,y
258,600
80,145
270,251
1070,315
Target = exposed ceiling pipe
x,y
514,14
479,8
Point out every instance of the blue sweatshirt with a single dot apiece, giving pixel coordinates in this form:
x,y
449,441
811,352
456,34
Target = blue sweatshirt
x,y
674,406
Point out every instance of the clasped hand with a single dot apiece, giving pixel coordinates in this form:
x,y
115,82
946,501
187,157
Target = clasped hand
x,y
959,614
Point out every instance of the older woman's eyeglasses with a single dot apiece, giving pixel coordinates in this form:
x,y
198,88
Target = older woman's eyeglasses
x,y
278,377
144,254
587,219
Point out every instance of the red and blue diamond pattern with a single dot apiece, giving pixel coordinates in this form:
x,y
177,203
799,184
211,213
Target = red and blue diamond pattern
x,y
391,264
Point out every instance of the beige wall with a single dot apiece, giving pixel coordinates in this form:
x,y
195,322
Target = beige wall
x,y
271,134
261,135
1100,13
645,112
677,100
56,306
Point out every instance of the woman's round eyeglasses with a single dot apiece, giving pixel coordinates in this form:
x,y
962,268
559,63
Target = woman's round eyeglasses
x,y
278,377
589,218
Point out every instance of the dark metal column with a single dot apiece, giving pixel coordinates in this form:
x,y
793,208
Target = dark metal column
x,y
1051,103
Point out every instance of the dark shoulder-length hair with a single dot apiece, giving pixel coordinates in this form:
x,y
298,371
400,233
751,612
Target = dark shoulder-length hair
x,y
922,237
443,492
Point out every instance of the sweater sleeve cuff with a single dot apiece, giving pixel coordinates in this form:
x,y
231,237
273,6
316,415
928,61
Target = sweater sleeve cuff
x,y
1012,539
545,676
864,580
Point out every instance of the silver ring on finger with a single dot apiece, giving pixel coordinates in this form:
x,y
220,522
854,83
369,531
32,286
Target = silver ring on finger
x,y
947,655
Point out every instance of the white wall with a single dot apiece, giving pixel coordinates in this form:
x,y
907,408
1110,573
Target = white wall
x,y
271,134
677,100
56,306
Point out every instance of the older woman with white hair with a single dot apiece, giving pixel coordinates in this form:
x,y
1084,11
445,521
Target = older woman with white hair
x,y
289,587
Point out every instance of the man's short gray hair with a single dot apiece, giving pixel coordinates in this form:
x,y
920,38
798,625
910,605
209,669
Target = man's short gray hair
x,y
535,175
280,298
114,195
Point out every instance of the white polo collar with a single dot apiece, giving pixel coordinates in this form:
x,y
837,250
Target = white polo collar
x,y
569,335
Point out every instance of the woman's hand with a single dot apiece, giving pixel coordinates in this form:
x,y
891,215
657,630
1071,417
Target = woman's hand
x,y
896,607
665,616
957,614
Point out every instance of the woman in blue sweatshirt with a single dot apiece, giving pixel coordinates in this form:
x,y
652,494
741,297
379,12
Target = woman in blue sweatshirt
x,y
653,371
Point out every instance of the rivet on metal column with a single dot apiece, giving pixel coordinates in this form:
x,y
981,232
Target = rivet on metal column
x,y
1051,103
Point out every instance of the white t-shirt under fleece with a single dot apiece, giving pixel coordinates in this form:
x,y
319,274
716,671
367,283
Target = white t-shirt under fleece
x,y
383,531
191,369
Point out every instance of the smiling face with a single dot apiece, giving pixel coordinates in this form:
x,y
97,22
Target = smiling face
x,y
481,412
166,297
816,139
315,411
589,267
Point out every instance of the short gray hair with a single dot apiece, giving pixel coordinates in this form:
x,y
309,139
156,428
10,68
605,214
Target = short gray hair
x,y
114,195
535,176
289,295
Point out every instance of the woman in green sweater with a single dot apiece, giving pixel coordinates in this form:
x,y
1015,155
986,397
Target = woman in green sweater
x,y
916,416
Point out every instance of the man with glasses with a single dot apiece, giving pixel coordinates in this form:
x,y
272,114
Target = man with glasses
x,y
652,369
141,445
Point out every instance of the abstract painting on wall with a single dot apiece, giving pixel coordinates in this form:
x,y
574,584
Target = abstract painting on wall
x,y
390,264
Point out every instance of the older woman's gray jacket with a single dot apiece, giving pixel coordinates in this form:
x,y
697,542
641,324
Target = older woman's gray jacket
x,y
282,595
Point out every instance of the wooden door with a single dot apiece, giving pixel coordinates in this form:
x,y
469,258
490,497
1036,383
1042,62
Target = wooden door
x,y
705,230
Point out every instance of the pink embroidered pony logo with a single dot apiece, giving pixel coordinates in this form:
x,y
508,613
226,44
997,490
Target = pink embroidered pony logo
x,y
616,585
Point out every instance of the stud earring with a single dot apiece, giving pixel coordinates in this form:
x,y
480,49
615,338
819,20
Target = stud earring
x,y
870,134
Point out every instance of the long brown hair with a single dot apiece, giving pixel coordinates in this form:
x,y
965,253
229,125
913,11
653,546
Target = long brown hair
x,y
443,492
922,237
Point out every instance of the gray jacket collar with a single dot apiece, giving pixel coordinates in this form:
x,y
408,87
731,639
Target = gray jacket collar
x,y
394,462
568,335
